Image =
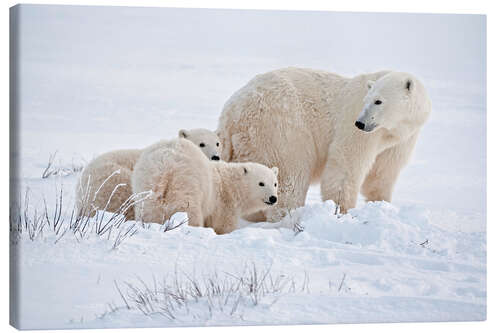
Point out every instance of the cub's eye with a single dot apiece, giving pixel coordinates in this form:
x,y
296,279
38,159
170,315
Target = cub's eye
x,y
261,184
217,144
202,145
378,102
275,184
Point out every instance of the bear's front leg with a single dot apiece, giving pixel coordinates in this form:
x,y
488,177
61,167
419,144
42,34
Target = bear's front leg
x,y
340,188
342,178
195,216
293,182
224,223
380,180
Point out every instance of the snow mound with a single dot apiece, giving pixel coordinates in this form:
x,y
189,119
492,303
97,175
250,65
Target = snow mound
x,y
382,227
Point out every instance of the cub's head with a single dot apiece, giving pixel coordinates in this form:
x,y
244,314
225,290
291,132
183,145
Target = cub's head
x,y
260,184
206,140
396,101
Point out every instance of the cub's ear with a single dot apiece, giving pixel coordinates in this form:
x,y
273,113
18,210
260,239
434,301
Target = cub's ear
x,y
245,170
275,170
409,85
369,84
183,133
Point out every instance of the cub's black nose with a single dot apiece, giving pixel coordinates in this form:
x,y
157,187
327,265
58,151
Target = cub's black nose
x,y
359,125
273,199
215,158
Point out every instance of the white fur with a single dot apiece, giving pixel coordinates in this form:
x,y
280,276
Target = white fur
x,y
214,194
302,121
109,174
206,140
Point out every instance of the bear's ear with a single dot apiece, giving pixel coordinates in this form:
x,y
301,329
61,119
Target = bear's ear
x,y
183,133
369,84
409,85
245,170
275,170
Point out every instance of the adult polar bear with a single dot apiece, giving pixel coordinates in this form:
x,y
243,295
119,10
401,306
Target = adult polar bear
x,y
303,122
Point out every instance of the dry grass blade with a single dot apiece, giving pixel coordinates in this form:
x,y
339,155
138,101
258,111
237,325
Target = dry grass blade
x,y
217,293
52,170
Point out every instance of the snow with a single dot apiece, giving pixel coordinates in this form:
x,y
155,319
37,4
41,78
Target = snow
x,y
93,80
378,263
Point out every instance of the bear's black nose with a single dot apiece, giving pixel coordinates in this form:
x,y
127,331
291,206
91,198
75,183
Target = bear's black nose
x,y
273,199
215,158
359,125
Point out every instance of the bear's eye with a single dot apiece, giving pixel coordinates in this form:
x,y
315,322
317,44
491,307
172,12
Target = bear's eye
x,y
378,102
202,145
217,144
275,184
261,184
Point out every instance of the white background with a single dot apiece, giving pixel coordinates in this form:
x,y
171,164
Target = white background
x,y
385,6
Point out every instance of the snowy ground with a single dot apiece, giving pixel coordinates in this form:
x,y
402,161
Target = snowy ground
x,y
92,81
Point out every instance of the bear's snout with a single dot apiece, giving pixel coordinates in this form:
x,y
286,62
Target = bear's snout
x,y
359,125
272,200
215,158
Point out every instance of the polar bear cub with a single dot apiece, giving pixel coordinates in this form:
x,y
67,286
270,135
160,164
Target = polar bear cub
x,y
105,181
212,194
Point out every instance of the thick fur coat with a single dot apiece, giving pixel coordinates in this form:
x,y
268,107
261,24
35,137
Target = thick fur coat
x,y
213,194
303,121
105,183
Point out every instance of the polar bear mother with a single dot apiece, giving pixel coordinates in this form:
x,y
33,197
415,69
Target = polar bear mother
x,y
350,134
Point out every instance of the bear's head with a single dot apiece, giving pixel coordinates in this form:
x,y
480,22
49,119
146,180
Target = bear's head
x,y
396,102
206,140
260,184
